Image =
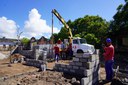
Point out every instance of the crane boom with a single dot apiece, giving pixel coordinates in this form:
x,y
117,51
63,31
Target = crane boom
x,y
54,11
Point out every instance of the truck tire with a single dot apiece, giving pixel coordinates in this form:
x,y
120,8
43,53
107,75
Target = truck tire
x,y
80,51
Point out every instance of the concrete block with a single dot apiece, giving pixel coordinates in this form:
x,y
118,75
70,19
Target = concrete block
x,y
87,72
88,65
60,69
93,57
82,68
78,63
90,83
97,57
69,66
66,70
86,55
90,77
57,65
84,60
97,51
72,63
75,67
79,72
72,71
62,65
79,54
75,59
85,81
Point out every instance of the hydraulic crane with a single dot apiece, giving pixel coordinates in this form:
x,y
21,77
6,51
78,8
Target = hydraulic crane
x,y
81,46
54,11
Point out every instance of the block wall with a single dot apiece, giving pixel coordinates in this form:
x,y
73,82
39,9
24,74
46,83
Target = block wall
x,y
84,65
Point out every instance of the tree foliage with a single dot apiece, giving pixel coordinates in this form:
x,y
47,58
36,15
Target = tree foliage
x,y
91,39
89,26
92,24
120,21
55,37
25,41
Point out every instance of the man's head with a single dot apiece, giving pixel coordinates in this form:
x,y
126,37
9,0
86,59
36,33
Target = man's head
x,y
108,41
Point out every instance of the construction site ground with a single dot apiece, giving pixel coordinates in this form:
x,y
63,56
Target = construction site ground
x,y
21,74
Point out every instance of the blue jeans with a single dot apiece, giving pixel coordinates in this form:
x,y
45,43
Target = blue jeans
x,y
56,57
109,69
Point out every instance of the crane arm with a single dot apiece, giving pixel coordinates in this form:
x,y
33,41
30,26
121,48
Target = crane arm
x,y
54,11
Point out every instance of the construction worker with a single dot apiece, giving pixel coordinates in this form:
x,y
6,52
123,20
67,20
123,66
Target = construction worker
x,y
57,52
109,59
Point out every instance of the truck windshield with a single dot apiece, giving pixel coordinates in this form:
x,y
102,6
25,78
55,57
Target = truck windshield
x,y
83,41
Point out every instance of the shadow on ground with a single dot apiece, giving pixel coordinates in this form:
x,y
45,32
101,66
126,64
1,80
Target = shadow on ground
x,y
113,82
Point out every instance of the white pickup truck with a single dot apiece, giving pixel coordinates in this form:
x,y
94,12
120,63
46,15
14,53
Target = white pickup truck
x,y
79,45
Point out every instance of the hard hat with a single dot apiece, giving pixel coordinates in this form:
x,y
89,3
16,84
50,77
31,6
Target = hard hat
x,y
108,40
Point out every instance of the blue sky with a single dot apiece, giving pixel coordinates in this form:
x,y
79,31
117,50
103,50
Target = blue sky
x,y
33,17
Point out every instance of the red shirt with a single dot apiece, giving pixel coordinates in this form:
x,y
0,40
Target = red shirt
x,y
109,53
56,48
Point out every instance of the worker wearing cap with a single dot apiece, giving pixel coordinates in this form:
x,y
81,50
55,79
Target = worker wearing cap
x,y
109,59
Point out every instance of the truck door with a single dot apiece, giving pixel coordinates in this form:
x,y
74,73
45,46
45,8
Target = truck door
x,y
75,45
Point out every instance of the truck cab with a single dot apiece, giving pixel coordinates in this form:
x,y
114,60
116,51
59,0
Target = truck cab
x,y
79,45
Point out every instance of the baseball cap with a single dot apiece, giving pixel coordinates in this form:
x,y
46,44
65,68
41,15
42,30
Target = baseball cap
x,y
108,40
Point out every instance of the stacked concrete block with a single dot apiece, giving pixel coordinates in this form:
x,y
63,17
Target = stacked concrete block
x,y
84,65
40,52
26,53
36,63
38,57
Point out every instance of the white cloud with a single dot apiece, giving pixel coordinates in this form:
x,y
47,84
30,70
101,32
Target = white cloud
x,y
33,27
8,28
37,27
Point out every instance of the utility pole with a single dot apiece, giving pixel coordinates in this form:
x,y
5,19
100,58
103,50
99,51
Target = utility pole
x,y
52,35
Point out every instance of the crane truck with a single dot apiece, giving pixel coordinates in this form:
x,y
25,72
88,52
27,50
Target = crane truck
x,y
79,45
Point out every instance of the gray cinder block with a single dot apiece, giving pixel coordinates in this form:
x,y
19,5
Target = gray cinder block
x,y
85,81
75,59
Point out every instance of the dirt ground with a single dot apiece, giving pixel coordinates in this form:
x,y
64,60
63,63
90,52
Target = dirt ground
x,y
48,77
30,76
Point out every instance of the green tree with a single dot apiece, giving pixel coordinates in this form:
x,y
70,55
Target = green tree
x,y
120,22
87,25
25,41
55,37
91,39
63,34
92,24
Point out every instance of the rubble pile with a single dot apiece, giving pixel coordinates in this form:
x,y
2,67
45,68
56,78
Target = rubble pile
x,y
41,78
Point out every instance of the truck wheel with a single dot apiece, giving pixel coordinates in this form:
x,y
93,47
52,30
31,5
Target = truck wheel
x,y
80,51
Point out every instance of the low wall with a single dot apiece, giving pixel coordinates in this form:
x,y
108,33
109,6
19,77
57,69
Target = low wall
x,y
84,65
27,53
36,63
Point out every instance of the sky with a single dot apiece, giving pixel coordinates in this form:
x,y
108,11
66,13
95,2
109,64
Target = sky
x,y
33,18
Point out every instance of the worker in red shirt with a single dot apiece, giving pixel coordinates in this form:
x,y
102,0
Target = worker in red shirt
x,y
57,52
109,59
